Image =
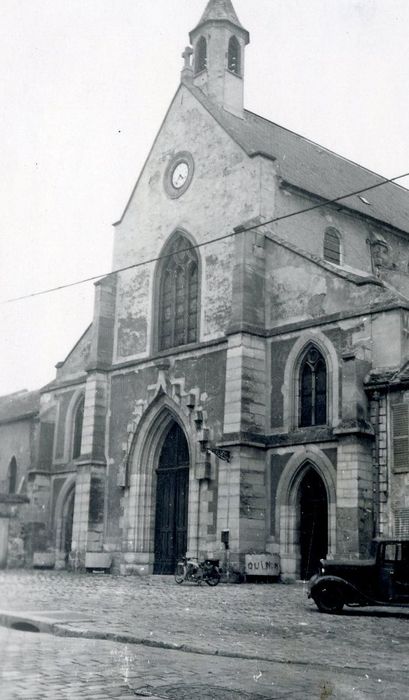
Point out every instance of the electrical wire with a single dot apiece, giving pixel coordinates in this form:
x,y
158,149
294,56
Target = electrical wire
x,y
235,232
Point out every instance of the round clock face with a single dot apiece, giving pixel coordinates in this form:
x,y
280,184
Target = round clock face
x,y
180,175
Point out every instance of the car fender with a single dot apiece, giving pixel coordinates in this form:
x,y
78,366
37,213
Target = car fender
x,y
341,582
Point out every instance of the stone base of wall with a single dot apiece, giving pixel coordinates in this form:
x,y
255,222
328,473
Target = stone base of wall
x,y
136,564
15,553
43,560
289,565
76,561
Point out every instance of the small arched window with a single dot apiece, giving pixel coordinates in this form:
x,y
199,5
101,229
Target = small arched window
x,y
178,295
78,423
313,389
12,476
201,55
332,246
234,55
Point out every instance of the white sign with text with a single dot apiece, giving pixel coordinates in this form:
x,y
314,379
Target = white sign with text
x,y
262,564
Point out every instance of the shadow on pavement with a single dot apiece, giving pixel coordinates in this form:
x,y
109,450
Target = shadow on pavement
x,y
393,613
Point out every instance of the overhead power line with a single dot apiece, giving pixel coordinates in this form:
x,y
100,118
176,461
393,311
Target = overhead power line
x,y
235,232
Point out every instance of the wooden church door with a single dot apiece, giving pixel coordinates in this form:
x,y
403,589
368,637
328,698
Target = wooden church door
x,y
313,523
172,497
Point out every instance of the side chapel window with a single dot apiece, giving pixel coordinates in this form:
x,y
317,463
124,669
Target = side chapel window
x,y
234,56
332,246
78,422
313,389
12,476
178,295
201,55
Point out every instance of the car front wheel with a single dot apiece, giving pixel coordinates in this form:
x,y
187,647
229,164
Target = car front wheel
x,y
328,598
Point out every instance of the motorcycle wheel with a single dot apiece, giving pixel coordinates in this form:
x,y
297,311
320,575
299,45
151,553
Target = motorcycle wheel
x,y
213,577
180,572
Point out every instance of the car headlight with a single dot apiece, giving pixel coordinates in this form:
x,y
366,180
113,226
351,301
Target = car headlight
x,y
322,567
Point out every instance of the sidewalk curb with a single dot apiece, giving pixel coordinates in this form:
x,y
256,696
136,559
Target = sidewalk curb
x,y
65,630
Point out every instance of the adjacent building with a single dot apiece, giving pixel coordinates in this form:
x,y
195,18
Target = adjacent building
x,y
250,383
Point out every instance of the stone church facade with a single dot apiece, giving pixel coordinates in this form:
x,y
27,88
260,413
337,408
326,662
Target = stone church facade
x,y
252,377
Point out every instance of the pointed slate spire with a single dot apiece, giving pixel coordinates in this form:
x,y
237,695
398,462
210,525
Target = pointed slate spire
x,y
220,11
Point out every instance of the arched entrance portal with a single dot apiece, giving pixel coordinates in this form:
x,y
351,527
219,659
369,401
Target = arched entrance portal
x,y
172,497
313,522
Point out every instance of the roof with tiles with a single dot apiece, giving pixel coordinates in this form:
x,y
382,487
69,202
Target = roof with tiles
x,y
220,10
313,168
22,404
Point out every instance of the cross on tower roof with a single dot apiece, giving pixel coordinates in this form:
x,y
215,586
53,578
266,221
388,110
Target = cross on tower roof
x,y
186,55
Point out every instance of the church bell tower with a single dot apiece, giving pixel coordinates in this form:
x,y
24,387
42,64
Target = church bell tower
x,y
219,42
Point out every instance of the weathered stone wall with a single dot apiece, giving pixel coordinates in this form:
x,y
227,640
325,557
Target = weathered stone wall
x,y
16,554
354,497
245,399
16,440
307,230
61,436
73,366
201,375
300,288
209,208
280,349
277,465
390,342
359,236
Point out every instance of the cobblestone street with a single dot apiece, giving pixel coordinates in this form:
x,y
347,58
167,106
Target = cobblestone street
x,y
120,637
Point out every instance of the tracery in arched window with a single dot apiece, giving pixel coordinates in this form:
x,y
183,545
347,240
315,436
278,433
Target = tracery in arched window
x,y
313,389
234,56
178,295
201,55
78,423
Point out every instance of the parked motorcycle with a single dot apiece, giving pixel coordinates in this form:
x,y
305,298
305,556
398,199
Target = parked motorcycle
x,y
194,571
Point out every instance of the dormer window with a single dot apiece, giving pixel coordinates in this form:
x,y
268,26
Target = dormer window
x,y
234,55
201,55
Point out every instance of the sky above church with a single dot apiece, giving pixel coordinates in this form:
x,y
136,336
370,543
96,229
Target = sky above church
x,y
85,86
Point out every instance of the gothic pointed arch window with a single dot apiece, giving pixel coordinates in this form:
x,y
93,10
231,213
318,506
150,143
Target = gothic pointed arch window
x,y
332,246
313,388
77,428
201,55
12,476
178,295
234,56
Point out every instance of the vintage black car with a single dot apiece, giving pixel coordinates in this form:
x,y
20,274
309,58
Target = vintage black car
x,y
382,580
